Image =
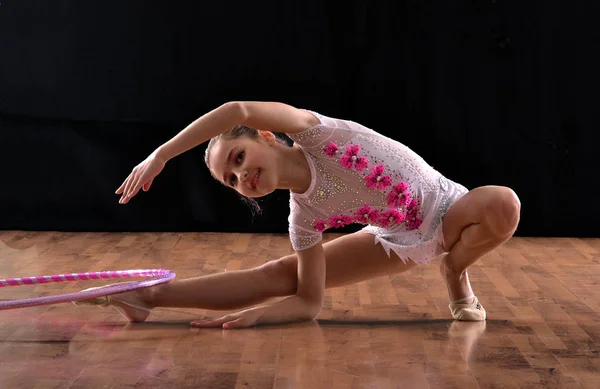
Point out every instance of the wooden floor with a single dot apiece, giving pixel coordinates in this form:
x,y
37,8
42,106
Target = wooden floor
x,y
543,328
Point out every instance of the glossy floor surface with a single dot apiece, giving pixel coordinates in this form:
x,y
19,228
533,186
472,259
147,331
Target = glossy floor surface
x,y
543,329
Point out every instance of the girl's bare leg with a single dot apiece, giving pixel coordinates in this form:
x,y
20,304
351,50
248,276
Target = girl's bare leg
x,y
480,221
350,259
477,223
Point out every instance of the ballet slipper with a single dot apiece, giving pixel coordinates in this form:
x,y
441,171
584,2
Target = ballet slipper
x,y
105,301
472,311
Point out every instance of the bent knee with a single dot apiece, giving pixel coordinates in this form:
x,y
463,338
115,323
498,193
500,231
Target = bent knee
x,y
282,271
505,209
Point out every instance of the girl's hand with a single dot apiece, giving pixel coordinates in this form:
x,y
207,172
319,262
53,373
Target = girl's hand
x,y
242,319
141,177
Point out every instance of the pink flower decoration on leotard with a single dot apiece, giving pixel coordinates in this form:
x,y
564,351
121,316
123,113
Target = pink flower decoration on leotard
x,y
412,205
415,223
412,220
393,216
376,180
351,158
320,225
331,149
411,213
399,195
367,215
340,221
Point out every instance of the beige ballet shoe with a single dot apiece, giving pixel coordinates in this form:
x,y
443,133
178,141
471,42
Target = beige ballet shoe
x,y
105,301
473,311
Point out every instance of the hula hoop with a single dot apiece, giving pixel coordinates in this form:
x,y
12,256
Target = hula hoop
x,y
161,277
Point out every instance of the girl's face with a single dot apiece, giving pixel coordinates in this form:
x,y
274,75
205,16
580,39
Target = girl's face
x,y
246,164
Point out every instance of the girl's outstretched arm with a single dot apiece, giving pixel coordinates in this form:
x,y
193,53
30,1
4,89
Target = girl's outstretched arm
x,y
270,116
274,116
304,305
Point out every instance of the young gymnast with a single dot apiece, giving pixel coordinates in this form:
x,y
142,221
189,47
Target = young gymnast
x,y
338,172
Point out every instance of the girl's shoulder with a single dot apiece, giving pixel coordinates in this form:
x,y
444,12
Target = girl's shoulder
x,y
328,129
315,133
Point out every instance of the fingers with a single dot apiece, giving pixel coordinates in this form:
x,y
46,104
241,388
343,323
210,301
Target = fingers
x,y
122,187
132,186
239,323
120,190
147,185
130,181
123,190
141,177
211,322
135,188
227,322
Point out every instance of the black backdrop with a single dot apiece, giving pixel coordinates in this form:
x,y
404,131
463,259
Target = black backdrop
x,y
489,92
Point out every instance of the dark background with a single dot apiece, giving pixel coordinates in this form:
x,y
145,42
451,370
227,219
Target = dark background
x,y
489,92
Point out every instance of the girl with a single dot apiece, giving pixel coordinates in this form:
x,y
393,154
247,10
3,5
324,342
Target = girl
x,y
338,172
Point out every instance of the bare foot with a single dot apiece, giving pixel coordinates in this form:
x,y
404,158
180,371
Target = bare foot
x,y
458,283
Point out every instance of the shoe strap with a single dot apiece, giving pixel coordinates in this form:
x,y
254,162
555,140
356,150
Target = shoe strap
x,y
462,300
130,304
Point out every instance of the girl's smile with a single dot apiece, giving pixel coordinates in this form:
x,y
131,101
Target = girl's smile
x,y
255,167
255,179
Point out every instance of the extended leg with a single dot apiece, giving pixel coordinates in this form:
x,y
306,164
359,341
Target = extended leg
x,y
350,259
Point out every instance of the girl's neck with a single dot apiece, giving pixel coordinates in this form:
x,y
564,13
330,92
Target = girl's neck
x,y
295,173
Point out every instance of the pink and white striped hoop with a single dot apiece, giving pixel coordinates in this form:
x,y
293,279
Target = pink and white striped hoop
x,y
161,276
